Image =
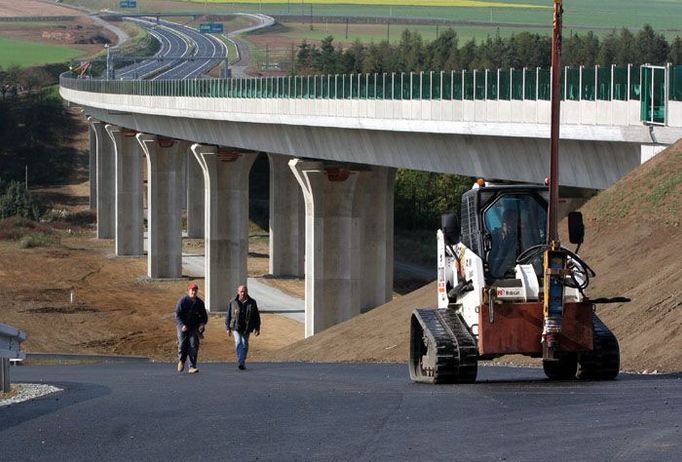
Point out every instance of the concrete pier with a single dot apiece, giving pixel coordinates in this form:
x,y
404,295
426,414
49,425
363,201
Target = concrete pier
x,y
92,164
373,207
195,198
226,189
287,220
346,238
106,183
128,186
165,199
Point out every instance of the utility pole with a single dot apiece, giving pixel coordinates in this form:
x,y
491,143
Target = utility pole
x,y
106,46
346,28
388,31
311,16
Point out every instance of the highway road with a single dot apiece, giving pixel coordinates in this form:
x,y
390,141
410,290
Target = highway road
x,y
206,52
362,412
173,46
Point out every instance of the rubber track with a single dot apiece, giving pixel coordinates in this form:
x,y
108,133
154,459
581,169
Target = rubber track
x,y
456,352
603,363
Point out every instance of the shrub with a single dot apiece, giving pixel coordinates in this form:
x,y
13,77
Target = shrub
x,y
38,240
16,200
15,228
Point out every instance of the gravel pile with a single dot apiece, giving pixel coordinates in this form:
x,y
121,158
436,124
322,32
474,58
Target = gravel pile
x,y
27,391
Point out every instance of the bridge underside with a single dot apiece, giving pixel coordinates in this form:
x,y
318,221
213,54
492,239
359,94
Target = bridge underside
x,y
585,164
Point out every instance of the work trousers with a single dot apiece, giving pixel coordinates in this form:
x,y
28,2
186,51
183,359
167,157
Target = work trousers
x,y
241,344
188,345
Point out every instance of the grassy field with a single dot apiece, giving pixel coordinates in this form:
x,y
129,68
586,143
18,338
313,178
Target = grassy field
x,y
368,33
15,52
600,16
417,3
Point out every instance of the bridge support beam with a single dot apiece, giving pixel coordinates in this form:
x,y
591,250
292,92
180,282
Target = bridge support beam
x,y
349,241
92,164
195,198
106,183
128,186
226,189
164,209
287,220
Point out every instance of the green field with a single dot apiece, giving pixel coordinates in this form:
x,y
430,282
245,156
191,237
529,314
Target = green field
x,y
24,54
599,15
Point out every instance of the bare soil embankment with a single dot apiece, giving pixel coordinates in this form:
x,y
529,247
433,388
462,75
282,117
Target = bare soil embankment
x,y
633,242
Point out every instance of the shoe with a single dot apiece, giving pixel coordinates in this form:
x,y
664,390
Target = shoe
x,y
181,366
192,370
241,367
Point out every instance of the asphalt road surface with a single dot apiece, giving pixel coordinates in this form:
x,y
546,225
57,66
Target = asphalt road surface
x,y
296,411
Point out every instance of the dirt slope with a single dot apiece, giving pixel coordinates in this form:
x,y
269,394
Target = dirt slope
x,y
633,242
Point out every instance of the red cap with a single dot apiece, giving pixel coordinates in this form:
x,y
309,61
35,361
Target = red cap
x,y
192,286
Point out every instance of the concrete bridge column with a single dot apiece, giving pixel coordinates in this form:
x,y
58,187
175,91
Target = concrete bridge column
x,y
287,220
226,189
106,183
332,284
195,198
373,206
164,210
92,164
128,186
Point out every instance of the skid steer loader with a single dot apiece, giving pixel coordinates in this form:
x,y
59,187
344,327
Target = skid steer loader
x,y
498,296
506,285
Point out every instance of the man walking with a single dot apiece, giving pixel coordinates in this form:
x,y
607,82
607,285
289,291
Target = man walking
x,y
190,319
241,319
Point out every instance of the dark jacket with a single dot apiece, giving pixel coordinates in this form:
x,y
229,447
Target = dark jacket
x,y
190,313
242,317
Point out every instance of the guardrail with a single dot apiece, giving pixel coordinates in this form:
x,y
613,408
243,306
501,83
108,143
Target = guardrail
x,y
10,348
618,83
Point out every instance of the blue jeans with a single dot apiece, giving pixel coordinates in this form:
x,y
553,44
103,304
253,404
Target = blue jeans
x,y
241,344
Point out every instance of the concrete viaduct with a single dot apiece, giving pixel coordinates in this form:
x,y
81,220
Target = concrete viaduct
x,y
332,168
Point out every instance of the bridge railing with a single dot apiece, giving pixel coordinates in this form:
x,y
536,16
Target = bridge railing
x,y
621,83
10,340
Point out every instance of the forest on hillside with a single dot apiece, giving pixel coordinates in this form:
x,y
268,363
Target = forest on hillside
x,y
526,49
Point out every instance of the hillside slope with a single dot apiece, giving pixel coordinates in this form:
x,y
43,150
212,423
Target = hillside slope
x,y
633,242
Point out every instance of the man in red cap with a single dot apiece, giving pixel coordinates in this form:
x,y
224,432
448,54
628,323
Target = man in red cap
x,y
191,319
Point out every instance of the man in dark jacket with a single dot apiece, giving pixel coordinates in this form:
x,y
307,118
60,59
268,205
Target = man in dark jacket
x,y
191,319
241,319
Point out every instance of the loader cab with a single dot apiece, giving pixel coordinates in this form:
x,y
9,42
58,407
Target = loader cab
x,y
500,222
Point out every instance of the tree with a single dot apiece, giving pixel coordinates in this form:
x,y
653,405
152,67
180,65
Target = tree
x,y
305,57
529,50
625,52
15,200
442,50
675,52
327,61
353,58
652,47
581,50
410,52
608,50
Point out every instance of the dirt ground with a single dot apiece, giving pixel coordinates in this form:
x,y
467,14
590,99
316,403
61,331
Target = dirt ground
x,y
32,8
79,33
116,308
